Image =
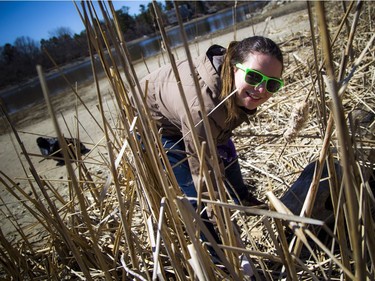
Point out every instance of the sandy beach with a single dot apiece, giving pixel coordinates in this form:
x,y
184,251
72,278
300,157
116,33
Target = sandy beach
x,y
36,122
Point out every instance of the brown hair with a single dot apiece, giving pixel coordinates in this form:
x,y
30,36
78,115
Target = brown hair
x,y
238,52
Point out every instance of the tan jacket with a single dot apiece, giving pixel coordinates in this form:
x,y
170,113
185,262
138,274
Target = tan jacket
x,y
167,108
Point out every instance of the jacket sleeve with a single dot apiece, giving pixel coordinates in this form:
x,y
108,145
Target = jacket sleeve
x,y
193,160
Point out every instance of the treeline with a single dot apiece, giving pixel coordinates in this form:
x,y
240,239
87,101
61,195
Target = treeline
x,y
18,60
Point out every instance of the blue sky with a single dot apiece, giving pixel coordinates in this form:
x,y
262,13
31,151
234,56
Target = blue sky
x,y
37,19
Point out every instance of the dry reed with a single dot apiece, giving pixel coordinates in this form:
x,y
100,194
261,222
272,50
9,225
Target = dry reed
x,y
131,222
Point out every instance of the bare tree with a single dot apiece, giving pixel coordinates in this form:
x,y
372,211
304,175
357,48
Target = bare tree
x,y
27,46
61,32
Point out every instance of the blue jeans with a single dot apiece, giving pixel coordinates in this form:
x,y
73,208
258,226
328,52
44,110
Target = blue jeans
x,y
182,172
184,179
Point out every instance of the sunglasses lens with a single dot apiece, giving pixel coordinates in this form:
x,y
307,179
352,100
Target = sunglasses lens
x,y
273,85
253,78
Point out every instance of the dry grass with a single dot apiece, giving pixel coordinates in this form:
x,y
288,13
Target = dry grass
x,y
132,222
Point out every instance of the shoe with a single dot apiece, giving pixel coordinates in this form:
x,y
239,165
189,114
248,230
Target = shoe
x,y
251,201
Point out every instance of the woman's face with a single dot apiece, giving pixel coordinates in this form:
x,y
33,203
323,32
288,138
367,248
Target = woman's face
x,y
249,96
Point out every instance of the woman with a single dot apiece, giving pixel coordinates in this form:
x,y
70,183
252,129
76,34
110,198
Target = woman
x,y
253,67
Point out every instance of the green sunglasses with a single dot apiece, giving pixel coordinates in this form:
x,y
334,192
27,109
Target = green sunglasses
x,y
255,78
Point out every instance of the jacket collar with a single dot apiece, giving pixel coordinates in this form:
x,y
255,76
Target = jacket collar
x,y
208,67
216,55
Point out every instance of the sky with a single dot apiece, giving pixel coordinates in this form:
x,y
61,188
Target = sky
x,y
38,19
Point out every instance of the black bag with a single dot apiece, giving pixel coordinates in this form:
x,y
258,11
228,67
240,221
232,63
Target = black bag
x,y
51,147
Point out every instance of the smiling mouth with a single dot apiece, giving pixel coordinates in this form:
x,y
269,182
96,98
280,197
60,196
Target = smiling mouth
x,y
252,96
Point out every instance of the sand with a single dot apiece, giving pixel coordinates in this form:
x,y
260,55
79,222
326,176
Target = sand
x,y
36,121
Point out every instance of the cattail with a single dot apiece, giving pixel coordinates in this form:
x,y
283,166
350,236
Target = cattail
x,y
296,121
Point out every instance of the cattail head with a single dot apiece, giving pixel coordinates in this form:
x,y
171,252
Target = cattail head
x,y
296,121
